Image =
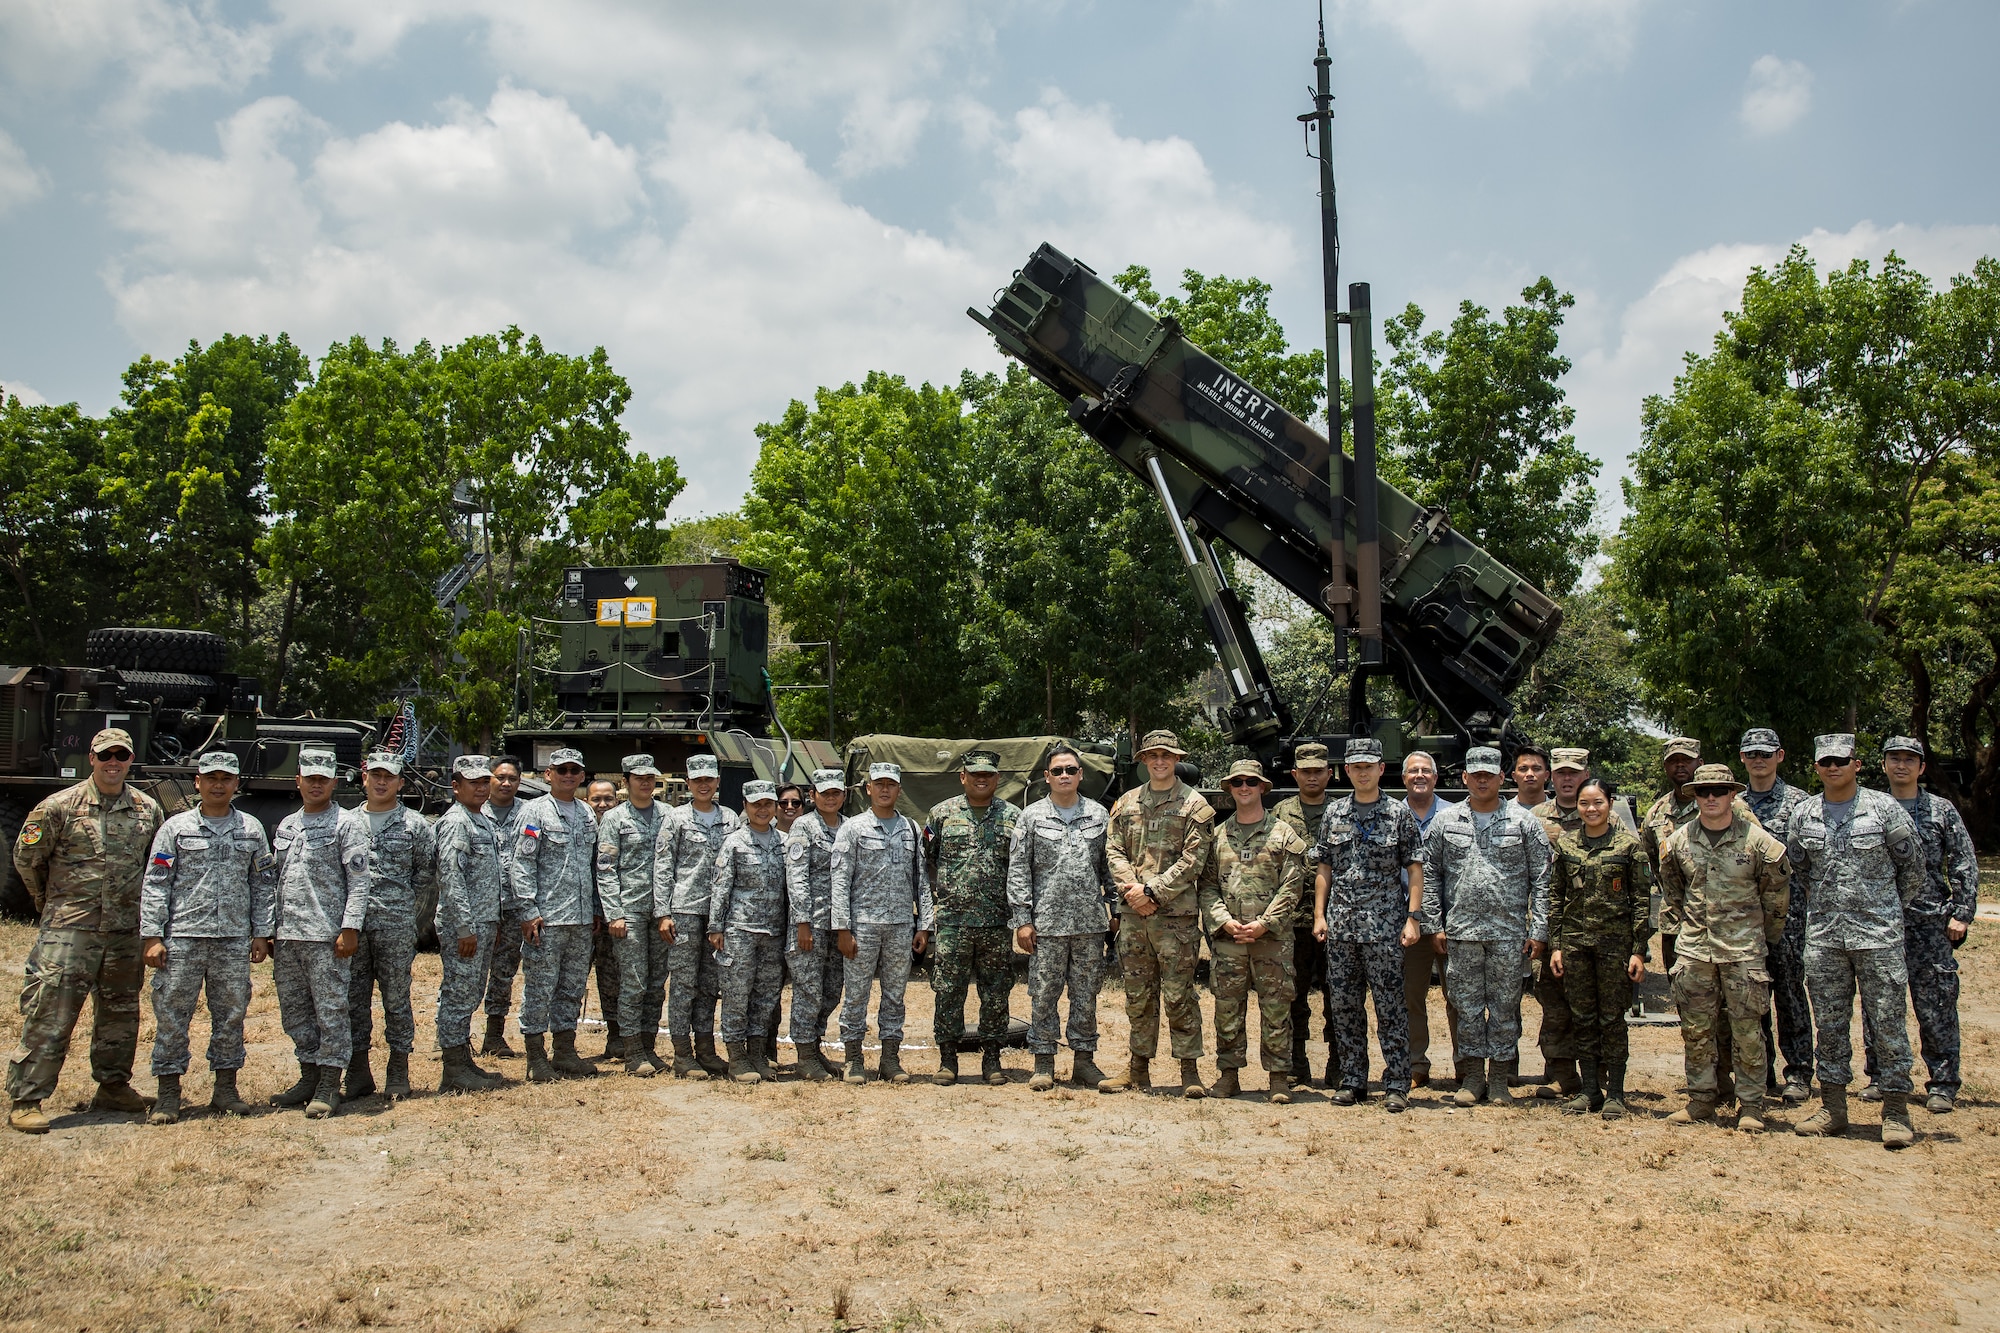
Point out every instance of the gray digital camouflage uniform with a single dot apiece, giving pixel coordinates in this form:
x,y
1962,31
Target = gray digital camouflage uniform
x,y
1366,849
818,982
628,841
881,894
322,890
1858,875
746,903
555,878
683,874
210,888
402,860
1487,890
471,880
1059,882
1253,874
1794,1033
1950,893
504,962
1160,840
967,850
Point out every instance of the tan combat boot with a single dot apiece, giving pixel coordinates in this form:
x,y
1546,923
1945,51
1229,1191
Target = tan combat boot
x,y
1281,1089
1191,1080
1750,1117
1699,1110
1138,1077
1897,1131
1471,1083
1831,1118
1227,1084
28,1118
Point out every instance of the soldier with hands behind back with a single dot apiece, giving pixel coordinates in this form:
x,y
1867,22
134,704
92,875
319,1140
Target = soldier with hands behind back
x,y
1312,773
1600,900
965,845
1772,800
691,837
503,808
746,923
402,863
472,885
555,891
628,838
818,981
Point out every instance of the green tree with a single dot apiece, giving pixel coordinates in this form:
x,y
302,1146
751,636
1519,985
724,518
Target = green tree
x,y
53,531
697,541
1584,692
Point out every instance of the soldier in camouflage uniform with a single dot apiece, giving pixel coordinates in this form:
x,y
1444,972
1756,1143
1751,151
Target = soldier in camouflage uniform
x,y
1771,799
1058,887
628,837
691,837
1862,862
881,910
1556,1039
1312,772
746,928
1423,958
1727,882
322,872
472,883
604,797
402,860
1599,922
1568,770
1365,912
555,886
503,809
81,854
1486,896
813,963
1160,836
965,846
1935,922
1249,893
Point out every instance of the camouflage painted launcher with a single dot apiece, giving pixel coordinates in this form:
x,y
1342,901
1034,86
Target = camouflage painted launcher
x,y
1460,628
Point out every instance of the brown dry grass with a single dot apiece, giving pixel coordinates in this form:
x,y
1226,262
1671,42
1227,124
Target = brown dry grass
x,y
622,1203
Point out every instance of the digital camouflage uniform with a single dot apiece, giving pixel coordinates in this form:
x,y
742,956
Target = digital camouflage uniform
x,y
1600,901
1787,962
881,895
555,878
504,961
1487,890
472,885
1308,954
322,890
1366,849
1729,892
1254,873
966,849
1160,840
683,874
402,864
628,841
746,905
1950,893
1556,1038
81,856
209,890
1859,876
818,981
1059,882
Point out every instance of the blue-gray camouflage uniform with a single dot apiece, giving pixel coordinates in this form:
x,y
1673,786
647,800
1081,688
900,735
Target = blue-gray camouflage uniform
x,y
818,981
555,878
882,896
1487,890
683,874
1794,1033
322,890
1366,850
746,905
1858,875
1059,882
472,885
210,888
504,961
1950,893
628,841
402,863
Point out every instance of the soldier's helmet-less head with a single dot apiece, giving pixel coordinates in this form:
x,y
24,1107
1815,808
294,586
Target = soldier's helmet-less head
x,y
829,779
1837,745
388,761
1363,750
1247,768
1759,740
885,772
1686,746
639,765
1577,760
317,764
703,766
111,738
1903,745
218,761
759,790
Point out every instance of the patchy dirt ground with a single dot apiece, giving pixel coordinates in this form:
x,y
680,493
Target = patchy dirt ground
x,y
620,1203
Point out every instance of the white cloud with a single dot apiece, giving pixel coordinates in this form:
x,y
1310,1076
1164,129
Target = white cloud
x,y
1778,95
880,132
26,393
1481,50
20,180
154,47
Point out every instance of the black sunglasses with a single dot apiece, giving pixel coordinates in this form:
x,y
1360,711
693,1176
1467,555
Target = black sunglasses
x,y
792,803
1833,761
1243,782
1714,791
114,756
571,770
1064,771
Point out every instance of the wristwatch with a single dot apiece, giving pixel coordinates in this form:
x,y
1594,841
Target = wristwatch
x,y
1147,889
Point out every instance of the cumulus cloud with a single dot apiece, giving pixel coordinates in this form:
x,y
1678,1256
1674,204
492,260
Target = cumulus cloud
x,y
20,179
152,47
880,132
1479,51
1778,95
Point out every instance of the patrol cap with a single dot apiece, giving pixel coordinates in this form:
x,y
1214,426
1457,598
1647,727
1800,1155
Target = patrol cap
x,y
472,766
566,755
1311,755
317,764
386,760
1363,750
1161,739
759,790
110,739
1482,759
1759,740
1686,745
1247,768
703,766
1908,744
218,761
1835,745
979,761
1715,775
829,779
641,765
1569,758
888,771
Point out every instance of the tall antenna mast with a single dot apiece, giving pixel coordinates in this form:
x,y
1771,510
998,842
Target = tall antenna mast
x,y
1339,593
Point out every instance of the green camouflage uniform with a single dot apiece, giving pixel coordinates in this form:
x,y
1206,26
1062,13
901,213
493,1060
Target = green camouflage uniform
x,y
966,851
82,856
1255,873
1160,840
1599,900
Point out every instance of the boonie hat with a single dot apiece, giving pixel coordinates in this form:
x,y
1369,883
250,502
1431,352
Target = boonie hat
x,y
759,790
1247,768
318,764
1686,745
1835,745
386,760
892,772
1363,750
1715,775
1908,744
472,766
111,738
218,761
566,755
829,779
979,761
1759,740
1482,759
703,766
640,764
1161,739
1577,759
1311,755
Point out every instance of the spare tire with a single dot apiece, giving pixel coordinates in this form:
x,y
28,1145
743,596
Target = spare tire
x,y
189,651
175,689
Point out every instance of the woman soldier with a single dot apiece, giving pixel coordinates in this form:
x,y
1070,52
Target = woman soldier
x,y
1598,902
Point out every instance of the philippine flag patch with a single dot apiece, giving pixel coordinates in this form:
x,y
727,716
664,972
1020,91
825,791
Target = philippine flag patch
x,y
531,831
163,858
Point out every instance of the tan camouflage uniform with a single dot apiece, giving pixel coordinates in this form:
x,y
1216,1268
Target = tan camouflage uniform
x,y
1256,873
1161,841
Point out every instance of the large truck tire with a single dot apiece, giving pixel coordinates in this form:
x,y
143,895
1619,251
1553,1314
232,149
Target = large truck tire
x,y
14,900
189,651
175,689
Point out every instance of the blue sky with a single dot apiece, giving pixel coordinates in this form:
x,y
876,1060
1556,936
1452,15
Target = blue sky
x,y
744,202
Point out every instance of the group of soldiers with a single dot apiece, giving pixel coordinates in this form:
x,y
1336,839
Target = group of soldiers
x,y
696,916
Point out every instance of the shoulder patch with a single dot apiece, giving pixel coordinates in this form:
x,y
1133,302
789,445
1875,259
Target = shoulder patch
x,y
31,833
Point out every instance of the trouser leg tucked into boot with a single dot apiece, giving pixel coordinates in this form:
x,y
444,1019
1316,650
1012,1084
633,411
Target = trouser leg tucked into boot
x,y
1614,1092
360,1078
857,1069
565,1059
1500,1082
539,1068
224,1099
397,1083
166,1105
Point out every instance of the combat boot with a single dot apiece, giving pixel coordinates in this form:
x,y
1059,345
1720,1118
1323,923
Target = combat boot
x,y
705,1056
1344,1096
759,1052
539,1068
649,1047
1299,1060
397,1083
685,1065
1191,1087
892,1063
1138,1076
300,1092
1568,1080
1798,1089
614,1043
1083,1070
857,1069
27,1117
458,1075
1045,1073
1831,1118
1587,1098
224,1099
1939,1103
495,1044
566,1061
1227,1084
1897,1131
360,1078
992,1070
815,1066
635,1060
1699,1110
1500,1083
326,1097
1471,1083
1750,1117
1614,1092
1871,1093
167,1106
1396,1101
947,1070
121,1097
1281,1089
740,1069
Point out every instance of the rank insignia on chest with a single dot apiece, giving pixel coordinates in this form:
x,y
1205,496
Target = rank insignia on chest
x,y
30,834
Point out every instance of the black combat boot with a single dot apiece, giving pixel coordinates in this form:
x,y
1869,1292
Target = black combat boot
x,y
892,1062
759,1052
705,1056
360,1079
947,1070
649,1044
167,1105
397,1084
1299,1060
1614,1092
326,1098
991,1069
566,1061
857,1069
300,1092
224,1099
539,1068
495,1044
1587,1098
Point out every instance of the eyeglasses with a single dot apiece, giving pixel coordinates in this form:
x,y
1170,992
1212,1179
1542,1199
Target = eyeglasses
x,y
571,770
1706,793
791,803
1066,770
114,756
1243,782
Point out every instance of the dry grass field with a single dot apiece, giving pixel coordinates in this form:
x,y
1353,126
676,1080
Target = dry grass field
x,y
621,1203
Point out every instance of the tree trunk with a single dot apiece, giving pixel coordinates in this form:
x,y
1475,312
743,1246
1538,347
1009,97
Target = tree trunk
x,y
1983,795
284,642
1920,697
1048,699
